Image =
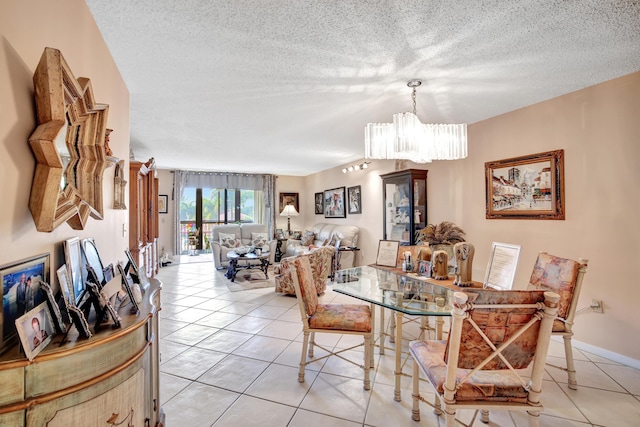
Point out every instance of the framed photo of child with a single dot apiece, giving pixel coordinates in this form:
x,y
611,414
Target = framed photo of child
x,y
36,330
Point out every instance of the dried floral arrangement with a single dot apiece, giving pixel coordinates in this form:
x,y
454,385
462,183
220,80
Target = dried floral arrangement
x,y
444,233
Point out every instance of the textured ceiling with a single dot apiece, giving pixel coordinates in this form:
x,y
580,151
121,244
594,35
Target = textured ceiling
x,y
287,86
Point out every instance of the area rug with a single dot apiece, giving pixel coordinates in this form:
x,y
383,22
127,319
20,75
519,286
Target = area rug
x,y
251,279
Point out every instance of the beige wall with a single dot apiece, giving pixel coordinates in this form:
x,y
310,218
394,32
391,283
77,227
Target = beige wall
x,y
598,128
26,28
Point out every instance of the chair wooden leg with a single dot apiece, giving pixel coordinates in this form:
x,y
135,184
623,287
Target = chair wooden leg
x,y
312,343
484,416
534,418
303,356
450,417
437,406
415,410
571,369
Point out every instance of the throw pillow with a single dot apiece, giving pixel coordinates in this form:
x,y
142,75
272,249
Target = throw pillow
x,y
258,239
307,238
229,240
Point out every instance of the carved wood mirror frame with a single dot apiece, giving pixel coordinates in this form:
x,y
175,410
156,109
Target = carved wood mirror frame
x,y
68,145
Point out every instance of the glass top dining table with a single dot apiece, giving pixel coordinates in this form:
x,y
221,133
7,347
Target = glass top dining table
x,y
405,294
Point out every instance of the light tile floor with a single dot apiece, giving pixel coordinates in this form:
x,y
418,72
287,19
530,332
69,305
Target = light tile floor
x,y
231,359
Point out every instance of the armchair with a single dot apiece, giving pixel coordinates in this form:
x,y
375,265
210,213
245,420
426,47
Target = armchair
x,y
493,333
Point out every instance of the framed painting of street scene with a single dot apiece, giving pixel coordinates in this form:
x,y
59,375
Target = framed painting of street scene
x,y
527,187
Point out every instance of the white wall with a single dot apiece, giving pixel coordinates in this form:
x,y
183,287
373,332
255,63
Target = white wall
x,y
26,28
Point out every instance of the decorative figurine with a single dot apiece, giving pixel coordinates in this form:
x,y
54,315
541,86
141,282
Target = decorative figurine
x,y
463,252
440,265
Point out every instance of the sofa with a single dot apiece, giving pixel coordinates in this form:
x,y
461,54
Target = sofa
x,y
324,234
225,238
320,260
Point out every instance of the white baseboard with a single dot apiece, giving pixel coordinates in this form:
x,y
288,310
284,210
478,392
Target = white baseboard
x,y
615,357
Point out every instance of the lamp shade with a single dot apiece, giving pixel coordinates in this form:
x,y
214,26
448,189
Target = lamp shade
x,y
289,210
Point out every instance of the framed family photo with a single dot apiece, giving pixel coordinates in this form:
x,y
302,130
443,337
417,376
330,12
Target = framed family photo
x,y
21,292
527,187
355,200
334,203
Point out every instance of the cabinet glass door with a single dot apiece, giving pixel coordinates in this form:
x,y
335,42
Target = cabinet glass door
x,y
405,205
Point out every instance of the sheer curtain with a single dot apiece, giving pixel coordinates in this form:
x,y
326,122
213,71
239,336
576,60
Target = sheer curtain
x,y
264,185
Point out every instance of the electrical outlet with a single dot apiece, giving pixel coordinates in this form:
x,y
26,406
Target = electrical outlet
x,y
596,306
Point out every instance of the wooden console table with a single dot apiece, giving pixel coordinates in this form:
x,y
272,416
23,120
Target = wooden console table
x,y
111,378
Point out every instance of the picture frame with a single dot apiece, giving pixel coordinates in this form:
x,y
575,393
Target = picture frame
x,y
92,262
36,330
54,310
501,268
289,199
387,253
334,203
527,187
424,268
139,274
319,203
35,270
355,199
127,284
296,235
66,288
73,260
163,203
279,234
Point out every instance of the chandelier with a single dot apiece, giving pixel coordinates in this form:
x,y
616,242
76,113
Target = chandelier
x,y
409,139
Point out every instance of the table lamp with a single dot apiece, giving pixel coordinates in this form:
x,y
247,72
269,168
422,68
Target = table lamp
x,y
289,211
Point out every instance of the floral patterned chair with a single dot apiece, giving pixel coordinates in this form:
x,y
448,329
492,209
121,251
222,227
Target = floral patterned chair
x,y
345,319
563,276
320,260
493,334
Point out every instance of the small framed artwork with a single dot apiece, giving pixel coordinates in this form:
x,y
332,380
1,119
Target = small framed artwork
x,y
424,268
319,203
387,253
355,200
21,292
279,234
163,202
297,235
334,203
289,199
527,187
35,329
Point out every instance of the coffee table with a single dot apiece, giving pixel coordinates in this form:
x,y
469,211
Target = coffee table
x,y
249,263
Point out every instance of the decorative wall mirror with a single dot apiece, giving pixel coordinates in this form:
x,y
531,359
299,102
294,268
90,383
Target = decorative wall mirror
x,y
68,145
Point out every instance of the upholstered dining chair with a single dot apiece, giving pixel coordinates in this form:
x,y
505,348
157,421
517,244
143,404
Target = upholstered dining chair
x,y
348,319
493,335
563,276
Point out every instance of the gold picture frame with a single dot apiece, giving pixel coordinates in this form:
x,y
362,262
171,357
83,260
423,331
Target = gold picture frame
x,y
527,187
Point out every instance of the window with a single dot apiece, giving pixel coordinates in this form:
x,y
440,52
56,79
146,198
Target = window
x,y
202,208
